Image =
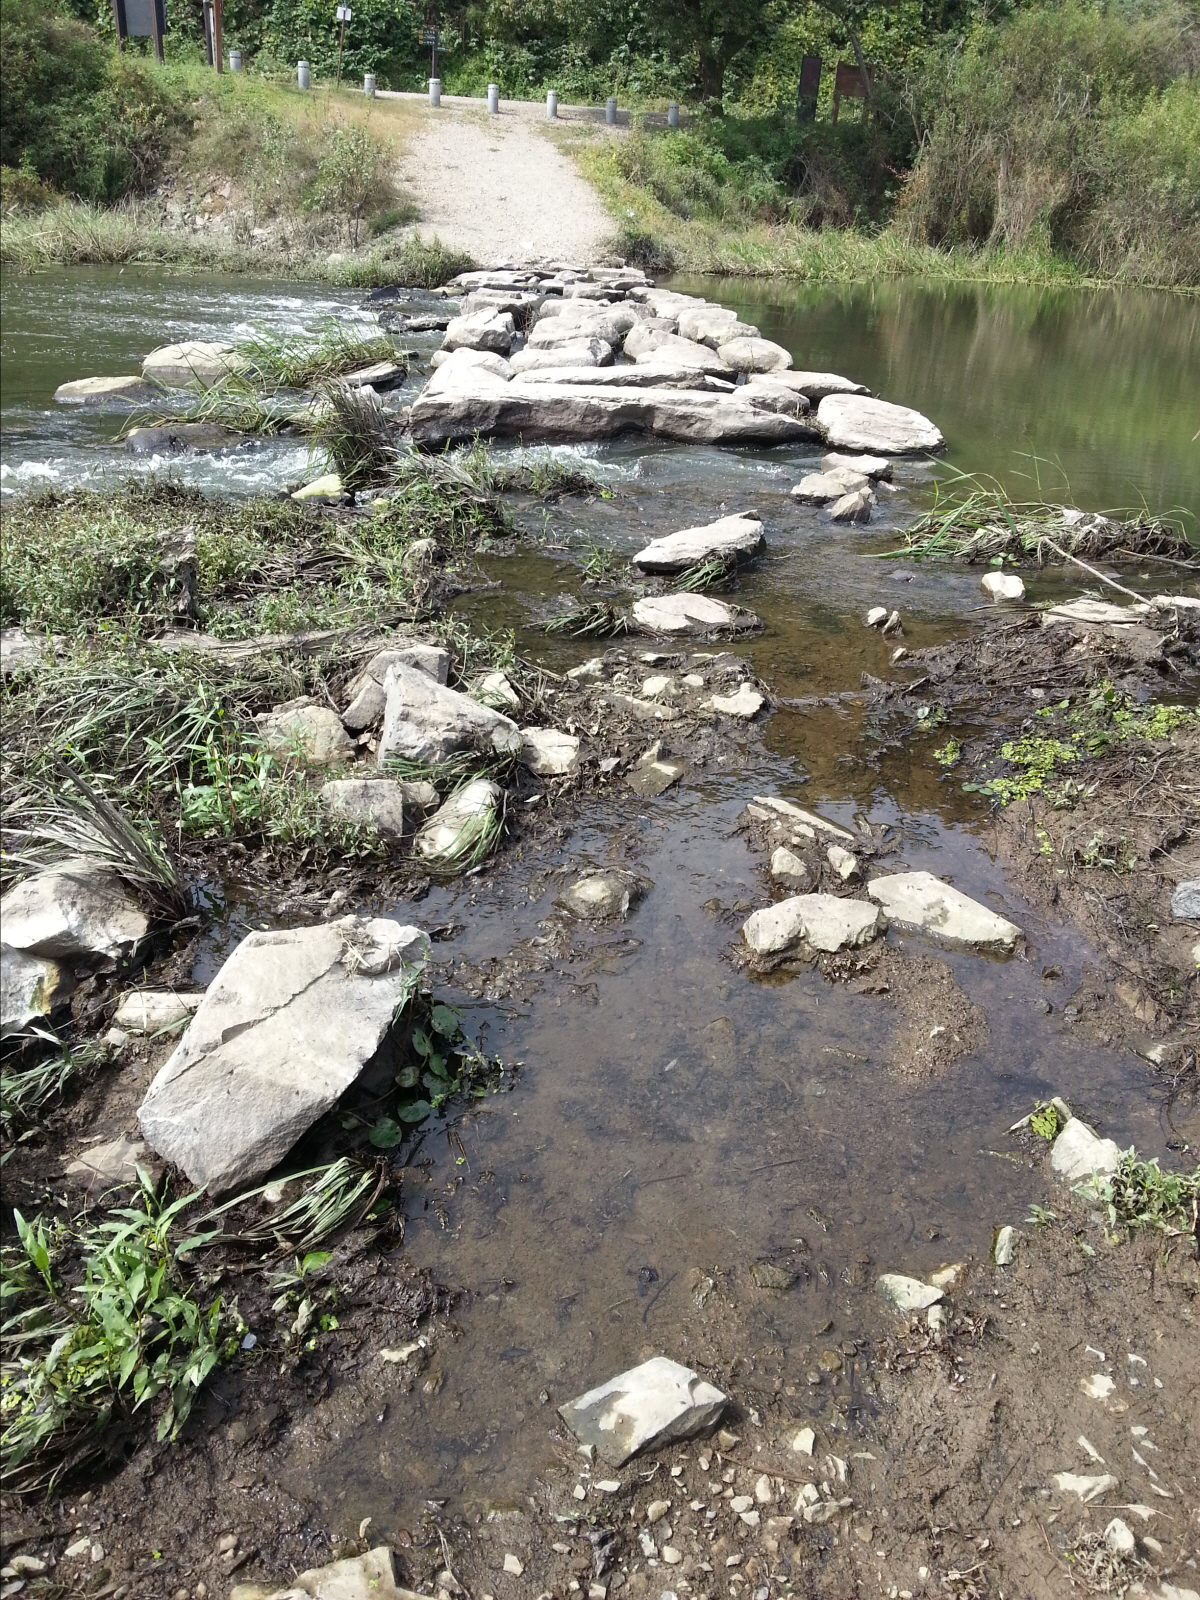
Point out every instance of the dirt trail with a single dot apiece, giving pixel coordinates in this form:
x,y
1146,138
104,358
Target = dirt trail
x,y
496,187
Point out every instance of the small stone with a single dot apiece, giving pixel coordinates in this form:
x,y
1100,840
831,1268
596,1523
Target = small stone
x,y
1098,1387
767,1276
326,487
591,671
511,1564
853,507
671,1556
869,466
823,921
804,1442
764,1490
493,689
892,625
935,1318
151,1010
97,1553
788,869
227,1543
746,703
80,1547
877,616
844,863
607,1485
741,1502
1087,1488
1002,586
907,1294
1005,1247
376,802
830,1361
1118,1536
946,1277
549,753
656,1510
898,655
652,1404
599,896
579,1492
1185,900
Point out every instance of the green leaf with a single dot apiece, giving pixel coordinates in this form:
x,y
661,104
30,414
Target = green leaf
x,y
446,1020
386,1133
415,1111
316,1259
421,1042
408,1077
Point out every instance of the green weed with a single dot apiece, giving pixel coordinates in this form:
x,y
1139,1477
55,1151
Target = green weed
x,y
302,361
1140,1195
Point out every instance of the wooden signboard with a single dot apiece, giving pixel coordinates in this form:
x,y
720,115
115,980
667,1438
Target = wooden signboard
x,y
141,19
851,84
809,88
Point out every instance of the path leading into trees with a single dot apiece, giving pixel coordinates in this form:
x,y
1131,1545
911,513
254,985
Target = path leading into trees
x,y
498,186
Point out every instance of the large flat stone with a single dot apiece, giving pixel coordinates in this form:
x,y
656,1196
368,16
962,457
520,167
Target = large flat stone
x,y
481,330
657,345
822,921
818,488
574,353
557,331
654,1404
94,391
285,1028
449,366
425,721
192,364
922,902
814,386
734,538
1080,1153
651,374
548,752
865,466
754,355
856,422
535,411
31,987
686,613
72,912
713,325
791,812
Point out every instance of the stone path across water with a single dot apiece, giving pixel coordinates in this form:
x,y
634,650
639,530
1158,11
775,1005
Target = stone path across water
x,y
498,188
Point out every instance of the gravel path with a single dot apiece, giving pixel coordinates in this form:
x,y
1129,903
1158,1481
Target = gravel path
x,y
498,188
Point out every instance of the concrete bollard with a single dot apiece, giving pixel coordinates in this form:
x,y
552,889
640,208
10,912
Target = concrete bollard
x,y
303,75
610,111
494,98
235,61
672,115
551,104
435,91
369,85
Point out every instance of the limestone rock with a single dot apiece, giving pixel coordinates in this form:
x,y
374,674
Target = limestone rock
x,y
689,613
822,921
549,753
1005,1247
574,353
654,1404
454,831
650,374
1079,1153
877,616
366,1577
713,325
745,703
866,466
1185,900
653,773
425,721
907,1294
31,987
818,488
791,812
1097,613
151,1010
655,346
380,376
754,355
600,896
734,538
920,901
767,390
1118,1536
72,911
179,438
20,651
814,386
557,331
452,367
105,1166
326,487
855,422
853,507
192,364
367,698
493,689
844,863
284,1029
94,391
481,330
788,869
1002,586
377,801
308,733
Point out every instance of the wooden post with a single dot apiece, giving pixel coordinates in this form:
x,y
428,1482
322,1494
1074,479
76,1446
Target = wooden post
x,y
218,43
156,32
341,37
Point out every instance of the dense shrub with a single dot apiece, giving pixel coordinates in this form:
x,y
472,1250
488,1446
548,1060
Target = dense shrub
x,y
72,111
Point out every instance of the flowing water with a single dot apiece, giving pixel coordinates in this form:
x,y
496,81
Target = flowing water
x,y
675,1119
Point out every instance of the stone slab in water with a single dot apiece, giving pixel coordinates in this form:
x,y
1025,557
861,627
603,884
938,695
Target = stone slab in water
x,y
425,721
866,466
920,901
856,422
482,330
179,438
636,375
819,488
823,921
814,386
94,391
286,1026
654,1404
192,364
575,353
754,355
686,613
729,538
1080,1153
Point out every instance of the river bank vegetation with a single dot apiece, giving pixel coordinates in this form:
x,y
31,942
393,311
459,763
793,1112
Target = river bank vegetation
x,y
1014,142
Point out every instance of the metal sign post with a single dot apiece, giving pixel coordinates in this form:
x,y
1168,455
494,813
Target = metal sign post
x,y
342,16
141,19
212,34
429,36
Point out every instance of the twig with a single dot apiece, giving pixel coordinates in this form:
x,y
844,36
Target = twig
x,y
1112,582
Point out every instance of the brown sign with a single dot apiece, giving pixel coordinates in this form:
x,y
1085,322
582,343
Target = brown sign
x,y
850,83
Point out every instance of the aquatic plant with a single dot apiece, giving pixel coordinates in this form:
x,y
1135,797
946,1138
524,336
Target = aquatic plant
x,y
301,361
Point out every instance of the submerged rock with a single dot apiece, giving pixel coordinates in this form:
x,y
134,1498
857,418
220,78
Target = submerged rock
x,y
179,438
425,721
285,1027
653,773
549,753
853,507
192,364
689,613
94,391
855,422
456,829
380,376
822,921
791,812
599,896
308,733
920,901
654,1404
731,538
1079,1153
31,987
746,702
73,911
377,801
152,1010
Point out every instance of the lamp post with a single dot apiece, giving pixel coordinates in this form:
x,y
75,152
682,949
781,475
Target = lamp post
x,y
342,16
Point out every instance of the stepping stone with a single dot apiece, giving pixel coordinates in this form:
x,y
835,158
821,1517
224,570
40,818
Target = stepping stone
x,y
919,901
822,921
730,538
856,422
655,1404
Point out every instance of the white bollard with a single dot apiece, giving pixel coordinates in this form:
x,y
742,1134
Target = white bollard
x,y
551,104
303,75
494,98
369,85
235,61
672,115
435,91
610,111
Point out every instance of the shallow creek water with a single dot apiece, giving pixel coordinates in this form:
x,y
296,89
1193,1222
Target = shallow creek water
x,y
673,1115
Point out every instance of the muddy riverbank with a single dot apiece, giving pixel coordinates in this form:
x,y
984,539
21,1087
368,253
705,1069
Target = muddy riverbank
x,y
685,1153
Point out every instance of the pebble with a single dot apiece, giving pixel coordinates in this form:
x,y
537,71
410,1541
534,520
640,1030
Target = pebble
x,y
764,1490
1006,1245
741,1502
877,616
1118,1536
656,1510
579,1492
804,1442
608,1485
226,1543
671,1556
511,1564
79,1548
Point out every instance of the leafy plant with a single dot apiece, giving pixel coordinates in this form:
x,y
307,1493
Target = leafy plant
x,y
353,177
1140,1195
